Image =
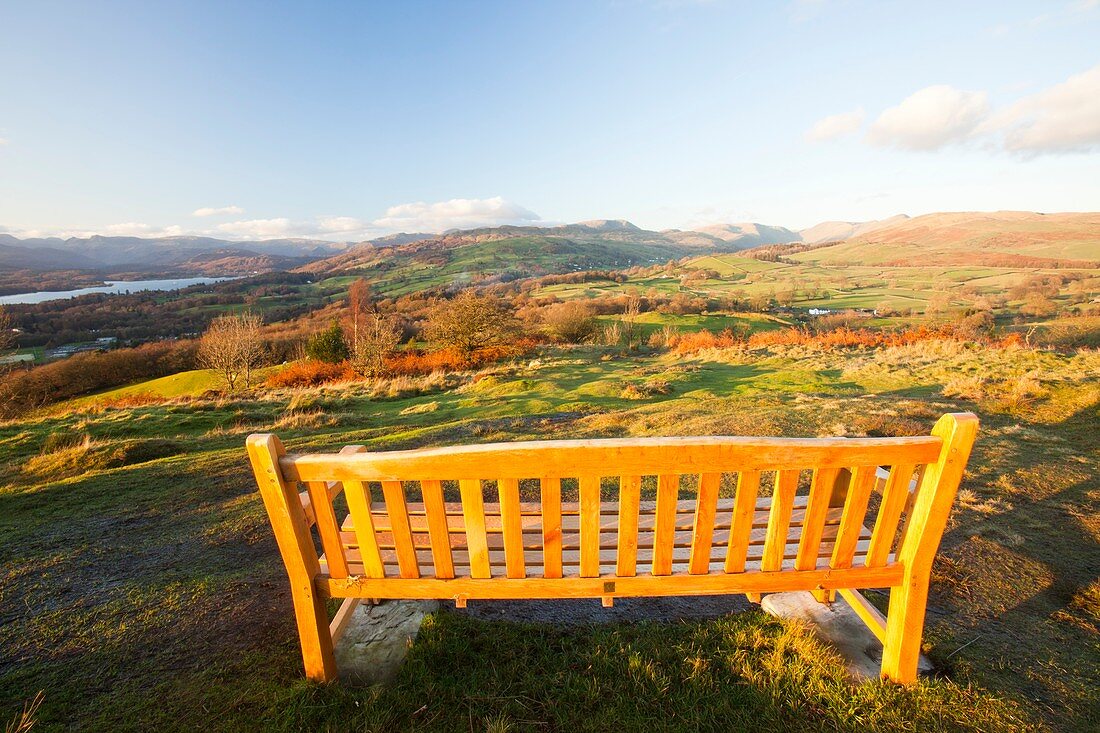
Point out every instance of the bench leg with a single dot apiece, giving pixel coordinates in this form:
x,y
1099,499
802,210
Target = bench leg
x,y
904,629
314,634
824,596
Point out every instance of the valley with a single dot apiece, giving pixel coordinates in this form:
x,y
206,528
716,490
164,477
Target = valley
x,y
129,456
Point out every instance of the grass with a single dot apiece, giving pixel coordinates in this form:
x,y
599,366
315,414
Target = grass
x,y
140,586
822,285
182,384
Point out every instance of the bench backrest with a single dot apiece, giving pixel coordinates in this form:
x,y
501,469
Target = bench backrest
x,y
616,508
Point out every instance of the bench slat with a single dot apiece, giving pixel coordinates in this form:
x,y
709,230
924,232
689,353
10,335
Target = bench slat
x,y
646,541
508,489
439,534
327,528
551,526
473,512
702,532
630,491
748,484
894,495
532,529
779,519
668,486
590,525
851,522
814,518
359,507
394,494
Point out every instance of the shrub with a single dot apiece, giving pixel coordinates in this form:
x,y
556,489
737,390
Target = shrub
x,y
690,343
571,321
310,373
328,345
420,362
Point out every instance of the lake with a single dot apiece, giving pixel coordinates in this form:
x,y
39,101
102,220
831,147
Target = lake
x,y
112,286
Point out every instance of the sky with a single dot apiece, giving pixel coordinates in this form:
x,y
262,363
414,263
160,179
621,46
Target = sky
x,y
345,121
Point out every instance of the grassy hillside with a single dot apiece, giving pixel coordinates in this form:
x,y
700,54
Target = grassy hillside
x,y
1005,238
458,258
140,586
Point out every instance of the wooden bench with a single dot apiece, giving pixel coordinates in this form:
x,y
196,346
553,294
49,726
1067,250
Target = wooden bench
x,y
815,525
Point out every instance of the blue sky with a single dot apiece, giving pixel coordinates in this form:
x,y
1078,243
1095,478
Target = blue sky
x,y
346,120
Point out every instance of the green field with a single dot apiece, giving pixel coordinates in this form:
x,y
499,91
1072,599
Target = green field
x,y
813,285
140,586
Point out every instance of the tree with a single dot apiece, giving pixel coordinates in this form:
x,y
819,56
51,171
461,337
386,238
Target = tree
x,y
940,302
1037,303
375,338
233,347
7,334
630,320
761,301
328,345
571,321
470,321
360,304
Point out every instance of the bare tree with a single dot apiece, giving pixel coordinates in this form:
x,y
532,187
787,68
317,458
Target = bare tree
x,y
630,320
360,304
233,347
7,334
470,321
376,336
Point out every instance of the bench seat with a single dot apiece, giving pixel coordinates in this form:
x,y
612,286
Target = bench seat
x,y
531,521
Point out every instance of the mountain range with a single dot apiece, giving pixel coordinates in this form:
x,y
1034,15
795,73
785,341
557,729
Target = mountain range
x,y
948,237
188,254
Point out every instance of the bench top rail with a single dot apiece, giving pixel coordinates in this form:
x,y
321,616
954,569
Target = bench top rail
x,y
609,457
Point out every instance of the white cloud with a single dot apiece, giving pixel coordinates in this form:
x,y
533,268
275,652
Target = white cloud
x,y
344,228
1062,119
137,229
411,217
218,211
455,214
836,126
930,119
3,141
258,228
342,224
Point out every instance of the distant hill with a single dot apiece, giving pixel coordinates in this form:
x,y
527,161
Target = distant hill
x,y
838,231
15,256
508,252
1001,238
137,254
748,234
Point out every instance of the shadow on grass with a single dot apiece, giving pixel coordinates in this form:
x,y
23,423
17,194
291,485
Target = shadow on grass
x,y
1010,580
740,672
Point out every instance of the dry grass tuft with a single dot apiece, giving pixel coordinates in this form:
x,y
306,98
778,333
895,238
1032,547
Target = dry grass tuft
x,y
64,458
25,720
